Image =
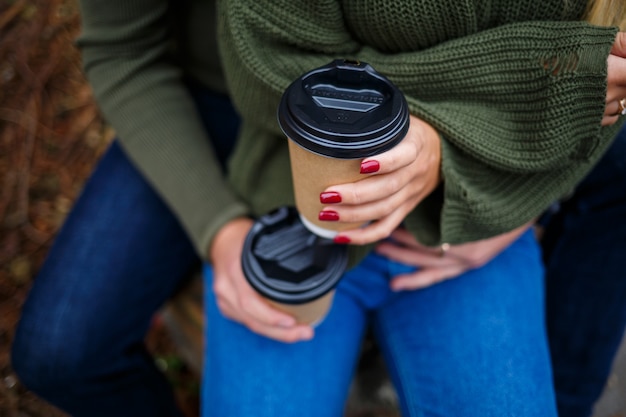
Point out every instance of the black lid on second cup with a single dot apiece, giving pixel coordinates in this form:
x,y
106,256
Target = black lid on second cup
x,y
286,263
344,110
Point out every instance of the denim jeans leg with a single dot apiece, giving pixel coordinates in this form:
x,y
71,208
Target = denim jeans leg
x,y
475,345
584,246
118,257
120,254
246,374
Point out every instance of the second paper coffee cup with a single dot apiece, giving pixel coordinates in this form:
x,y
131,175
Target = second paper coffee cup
x,y
293,269
334,117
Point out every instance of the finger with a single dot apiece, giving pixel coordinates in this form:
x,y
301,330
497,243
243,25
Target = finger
x,y
377,188
257,310
225,298
609,120
425,278
614,94
376,231
619,46
261,318
287,335
428,257
375,210
616,78
397,157
298,333
612,108
612,112
409,149
404,237
238,301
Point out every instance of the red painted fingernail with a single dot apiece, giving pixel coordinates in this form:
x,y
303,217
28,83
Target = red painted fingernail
x,y
367,167
344,240
330,197
329,216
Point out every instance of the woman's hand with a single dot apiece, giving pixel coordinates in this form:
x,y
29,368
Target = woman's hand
x,y
236,299
394,183
436,265
616,87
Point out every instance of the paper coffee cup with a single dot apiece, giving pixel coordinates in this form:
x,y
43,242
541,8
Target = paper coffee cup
x,y
292,268
334,117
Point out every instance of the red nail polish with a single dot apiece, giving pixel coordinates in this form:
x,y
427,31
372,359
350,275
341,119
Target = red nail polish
x,y
328,215
344,240
368,167
330,197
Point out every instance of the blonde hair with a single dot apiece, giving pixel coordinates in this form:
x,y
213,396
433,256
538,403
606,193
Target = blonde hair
x,y
606,13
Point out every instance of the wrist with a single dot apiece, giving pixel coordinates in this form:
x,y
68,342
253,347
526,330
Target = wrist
x,y
230,236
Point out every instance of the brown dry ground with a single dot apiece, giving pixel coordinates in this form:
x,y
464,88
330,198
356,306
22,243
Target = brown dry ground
x,y
51,134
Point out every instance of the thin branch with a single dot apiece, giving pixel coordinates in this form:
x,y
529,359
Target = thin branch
x,y
11,13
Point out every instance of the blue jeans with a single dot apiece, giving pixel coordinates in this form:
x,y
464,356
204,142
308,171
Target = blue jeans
x,y
121,253
474,346
119,256
584,247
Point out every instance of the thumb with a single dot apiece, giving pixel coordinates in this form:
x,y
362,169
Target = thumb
x,y
619,46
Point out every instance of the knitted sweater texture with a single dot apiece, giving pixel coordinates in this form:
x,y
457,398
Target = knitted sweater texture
x,y
136,55
516,90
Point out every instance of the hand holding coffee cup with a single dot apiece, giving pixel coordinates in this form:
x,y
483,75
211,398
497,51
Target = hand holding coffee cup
x,y
234,296
336,117
342,121
293,269
390,186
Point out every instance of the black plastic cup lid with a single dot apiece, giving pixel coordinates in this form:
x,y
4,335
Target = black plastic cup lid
x,y
287,263
344,110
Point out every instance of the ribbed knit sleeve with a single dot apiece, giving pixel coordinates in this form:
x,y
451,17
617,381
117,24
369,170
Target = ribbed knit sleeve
x,y
519,107
518,104
141,93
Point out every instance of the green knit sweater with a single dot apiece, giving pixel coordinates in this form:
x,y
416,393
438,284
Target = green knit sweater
x,y
515,88
136,55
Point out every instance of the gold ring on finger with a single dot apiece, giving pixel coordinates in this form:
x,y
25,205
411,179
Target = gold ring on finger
x,y
621,107
443,249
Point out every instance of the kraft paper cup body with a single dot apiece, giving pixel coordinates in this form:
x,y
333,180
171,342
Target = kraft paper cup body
x,y
311,313
295,270
334,117
312,174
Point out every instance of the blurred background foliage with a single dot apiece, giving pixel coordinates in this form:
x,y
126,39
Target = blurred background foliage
x,y
51,135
